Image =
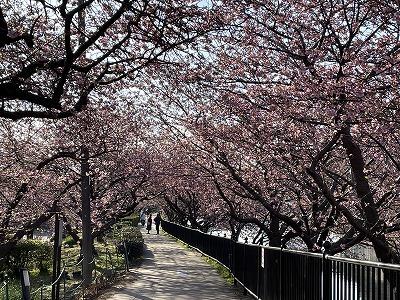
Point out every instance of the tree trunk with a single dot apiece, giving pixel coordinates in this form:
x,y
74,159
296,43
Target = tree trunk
x,y
87,240
275,236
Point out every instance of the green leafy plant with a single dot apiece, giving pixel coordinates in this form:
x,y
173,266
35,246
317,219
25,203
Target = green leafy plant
x,y
31,254
69,241
126,235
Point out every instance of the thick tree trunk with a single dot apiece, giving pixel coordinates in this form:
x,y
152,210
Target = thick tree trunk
x,y
275,237
87,240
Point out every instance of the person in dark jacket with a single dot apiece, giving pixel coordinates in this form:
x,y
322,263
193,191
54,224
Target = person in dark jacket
x,y
157,220
149,222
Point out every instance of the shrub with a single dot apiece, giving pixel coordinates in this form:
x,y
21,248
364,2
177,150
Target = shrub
x,y
133,241
30,254
69,241
132,220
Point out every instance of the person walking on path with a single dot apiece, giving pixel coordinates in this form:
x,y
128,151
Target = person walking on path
x,y
142,218
149,222
157,220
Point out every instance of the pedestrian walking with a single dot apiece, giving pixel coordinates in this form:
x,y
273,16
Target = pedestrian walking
x,y
149,222
143,218
157,220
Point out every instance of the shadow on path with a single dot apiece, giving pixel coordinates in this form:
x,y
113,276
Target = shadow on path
x,y
169,271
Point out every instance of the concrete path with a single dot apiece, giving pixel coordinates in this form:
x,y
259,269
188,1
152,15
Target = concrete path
x,y
170,271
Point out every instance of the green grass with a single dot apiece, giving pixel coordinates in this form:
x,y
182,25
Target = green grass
x,y
222,270
14,287
70,258
107,261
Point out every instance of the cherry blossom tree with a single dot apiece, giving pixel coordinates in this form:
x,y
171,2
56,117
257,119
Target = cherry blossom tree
x,y
40,171
54,54
30,193
284,118
293,100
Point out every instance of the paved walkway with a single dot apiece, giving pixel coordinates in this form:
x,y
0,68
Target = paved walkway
x,y
170,271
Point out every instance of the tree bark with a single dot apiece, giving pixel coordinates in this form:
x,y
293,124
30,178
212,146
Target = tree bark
x,y
87,240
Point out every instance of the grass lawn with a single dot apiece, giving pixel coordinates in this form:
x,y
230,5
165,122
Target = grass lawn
x,y
107,262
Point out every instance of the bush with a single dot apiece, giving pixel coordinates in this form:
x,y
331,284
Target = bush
x,y
132,220
30,254
69,241
133,241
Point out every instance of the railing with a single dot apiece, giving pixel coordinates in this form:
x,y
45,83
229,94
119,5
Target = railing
x,y
279,274
44,290
70,292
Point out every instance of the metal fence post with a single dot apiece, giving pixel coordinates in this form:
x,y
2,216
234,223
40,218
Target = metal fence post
x,y
64,279
25,284
6,287
258,271
325,277
244,266
280,272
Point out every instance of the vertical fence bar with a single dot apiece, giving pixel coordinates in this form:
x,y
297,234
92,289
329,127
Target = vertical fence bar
x,y
391,281
373,290
368,284
325,279
397,285
280,273
344,279
380,291
358,282
339,280
258,273
348,281
6,288
244,268
334,288
64,280
385,286
292,275
353,282
363,283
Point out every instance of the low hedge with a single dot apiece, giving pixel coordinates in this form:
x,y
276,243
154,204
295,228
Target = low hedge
x,y
132,220
128,236
31,254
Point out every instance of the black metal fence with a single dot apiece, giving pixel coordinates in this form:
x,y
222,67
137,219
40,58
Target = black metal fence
x,y
279,274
